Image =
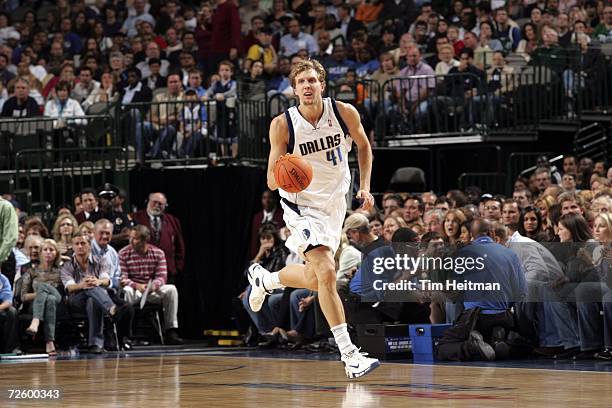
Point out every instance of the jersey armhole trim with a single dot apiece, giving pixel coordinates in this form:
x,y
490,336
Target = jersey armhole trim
x,y
339,117
291,143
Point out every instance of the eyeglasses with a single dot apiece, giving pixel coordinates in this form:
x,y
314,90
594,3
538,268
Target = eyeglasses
x,y
66,224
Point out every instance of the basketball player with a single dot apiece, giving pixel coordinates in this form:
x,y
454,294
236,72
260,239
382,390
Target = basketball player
x,y
321,131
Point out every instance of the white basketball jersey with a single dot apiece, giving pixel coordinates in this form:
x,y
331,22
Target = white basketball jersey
x,y
326,147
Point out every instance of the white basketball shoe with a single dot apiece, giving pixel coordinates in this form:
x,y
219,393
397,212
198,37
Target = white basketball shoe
x,y
356,364
258,291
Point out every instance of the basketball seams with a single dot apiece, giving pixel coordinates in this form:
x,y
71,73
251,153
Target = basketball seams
x,y
297,164
295,186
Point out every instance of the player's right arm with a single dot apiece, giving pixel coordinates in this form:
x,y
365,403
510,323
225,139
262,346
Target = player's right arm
x,y
279,138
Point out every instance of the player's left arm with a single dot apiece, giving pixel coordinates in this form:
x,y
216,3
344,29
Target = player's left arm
x,y
364,151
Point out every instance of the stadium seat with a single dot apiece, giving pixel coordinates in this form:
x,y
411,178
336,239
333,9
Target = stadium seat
x,y
411,179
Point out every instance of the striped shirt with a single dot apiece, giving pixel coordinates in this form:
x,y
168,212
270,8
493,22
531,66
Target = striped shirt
x,y
136,268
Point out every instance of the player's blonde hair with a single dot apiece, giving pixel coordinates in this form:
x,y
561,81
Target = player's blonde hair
x,y
305,65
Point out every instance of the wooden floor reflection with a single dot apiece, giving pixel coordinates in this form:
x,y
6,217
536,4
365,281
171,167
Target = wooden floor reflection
x,y
219,381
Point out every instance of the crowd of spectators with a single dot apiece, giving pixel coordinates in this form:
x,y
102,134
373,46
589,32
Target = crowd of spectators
x,y
61,58
548,246
95,260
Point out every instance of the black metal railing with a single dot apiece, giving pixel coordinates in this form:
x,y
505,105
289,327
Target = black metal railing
x,y
53,133
592,141
56,175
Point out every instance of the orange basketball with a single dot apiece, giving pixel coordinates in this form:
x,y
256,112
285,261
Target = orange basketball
x,y
292,173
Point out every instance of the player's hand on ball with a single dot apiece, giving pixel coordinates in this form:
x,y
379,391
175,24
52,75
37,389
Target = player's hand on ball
x,y
366,198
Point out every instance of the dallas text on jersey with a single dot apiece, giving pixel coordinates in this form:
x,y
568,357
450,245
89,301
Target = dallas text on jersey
x,y
321,144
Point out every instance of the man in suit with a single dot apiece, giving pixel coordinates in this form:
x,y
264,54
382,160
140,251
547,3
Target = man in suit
x,y
166,232
270,212
91,211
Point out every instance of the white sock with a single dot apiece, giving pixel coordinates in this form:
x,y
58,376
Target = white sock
x,y
343,340
271,281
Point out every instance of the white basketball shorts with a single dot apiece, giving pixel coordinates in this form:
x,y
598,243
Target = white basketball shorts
x,y
313,226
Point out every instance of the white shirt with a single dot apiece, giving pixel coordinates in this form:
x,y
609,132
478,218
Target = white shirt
x,y
70,109
130,92
267,216
143,66
539,263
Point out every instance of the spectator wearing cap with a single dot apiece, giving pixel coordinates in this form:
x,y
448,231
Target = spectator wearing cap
x,y
144,273
136,14
364,292
358,231
120,220
166,232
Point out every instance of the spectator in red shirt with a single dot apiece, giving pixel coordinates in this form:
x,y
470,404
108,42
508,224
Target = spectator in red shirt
x,y
203,36
225,37
144,273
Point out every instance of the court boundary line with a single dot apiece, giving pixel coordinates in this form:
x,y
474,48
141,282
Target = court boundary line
x,y
435,365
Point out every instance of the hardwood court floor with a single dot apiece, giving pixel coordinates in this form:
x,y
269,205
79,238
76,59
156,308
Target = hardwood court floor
x,y
203,380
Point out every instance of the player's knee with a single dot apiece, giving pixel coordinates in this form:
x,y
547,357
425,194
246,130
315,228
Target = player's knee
x,y
326,274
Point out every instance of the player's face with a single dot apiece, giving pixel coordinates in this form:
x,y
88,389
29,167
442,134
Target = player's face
x,y
308,88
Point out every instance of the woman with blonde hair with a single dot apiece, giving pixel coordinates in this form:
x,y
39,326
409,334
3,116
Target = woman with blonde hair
x,y
451,227
40,286
86,228
63,229
392,224
543,204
